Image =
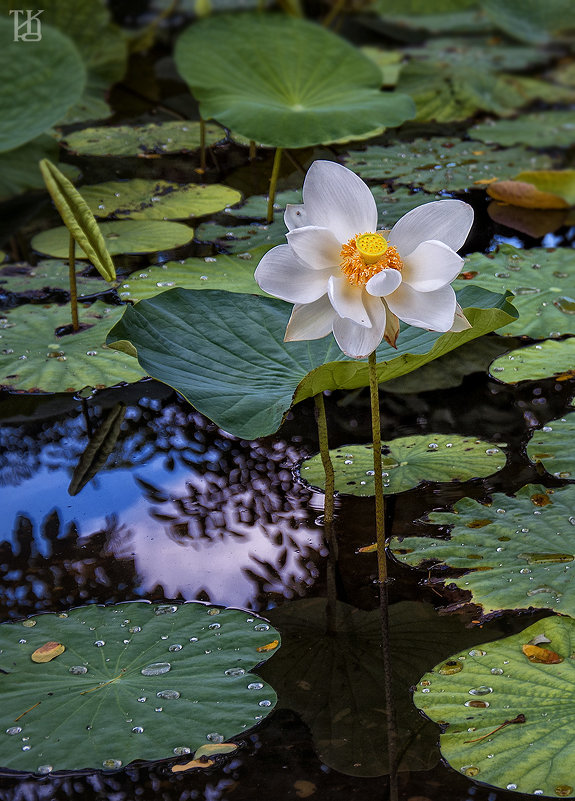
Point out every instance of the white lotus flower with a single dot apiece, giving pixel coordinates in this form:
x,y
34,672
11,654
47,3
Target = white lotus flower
x,y
344,276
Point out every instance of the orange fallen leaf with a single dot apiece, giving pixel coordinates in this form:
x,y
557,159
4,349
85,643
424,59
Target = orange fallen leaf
x,y
542,656
47,652
268,647
368,548
303,788
195,763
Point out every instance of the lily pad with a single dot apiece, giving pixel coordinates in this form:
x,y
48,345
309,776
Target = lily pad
x,y
535,362
140,199
34,359
407,462
538,130
330,671
40,82
231,273
442,163
96,704
124,236
225,353
256,206
543,283
519,552
46,276
506,719
145,141
239,238
552,446
537,189
529,20
285,82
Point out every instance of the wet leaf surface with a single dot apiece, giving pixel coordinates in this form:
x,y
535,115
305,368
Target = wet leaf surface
x,y
535,362
35,281
538,130
552,446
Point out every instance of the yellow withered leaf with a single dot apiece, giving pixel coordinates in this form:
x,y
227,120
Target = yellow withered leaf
x,y
268,647
47,652
542,656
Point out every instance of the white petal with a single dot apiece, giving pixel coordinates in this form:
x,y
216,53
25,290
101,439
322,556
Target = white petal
x,y
281,274
294,216
356,340
431,265
384,282
337,198
316,247
448,221
433,310
460,322
347,300
310,320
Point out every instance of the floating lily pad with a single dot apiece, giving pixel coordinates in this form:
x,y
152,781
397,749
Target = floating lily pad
x,y
256,206
34,359
335,680
519,551
239,238
96,704
46,276
285,82
225,353
538,189
465,53
40,82
124,236
141,140
535,362
552,446
540,129
231,273
506,720
543,283
407,462
139,199
442,163
529,20
405,26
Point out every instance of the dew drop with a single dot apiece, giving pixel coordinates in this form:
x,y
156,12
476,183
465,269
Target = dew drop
x,y
165,609
512,786
112,763
481,690
29,623
135,629
213,626
433,446
261,627
168,695
156,669
470,770
180,750
193,639
175,647
265,702
14,730
99,643
44,770
142,699
477,652
236,671
255,685
215,737
497,671
138,730
77,670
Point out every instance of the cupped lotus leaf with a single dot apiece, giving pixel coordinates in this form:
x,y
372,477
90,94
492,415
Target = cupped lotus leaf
x,y
122,236
41,80
542,281
145,141
519,551
335,680
225,353
407,462
34,359
37,282
506,720
529,20
96,704
141,199
231,273
537,189
550,358
285,82
442,163
537,130
19,170
552,446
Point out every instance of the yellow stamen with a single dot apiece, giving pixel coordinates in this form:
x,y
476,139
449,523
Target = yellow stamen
x,y
367,255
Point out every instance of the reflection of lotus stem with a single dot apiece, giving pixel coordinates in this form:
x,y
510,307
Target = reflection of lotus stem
x,y
325,457
273,182
72,280
382,574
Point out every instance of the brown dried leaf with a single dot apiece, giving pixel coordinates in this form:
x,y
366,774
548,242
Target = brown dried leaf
x,y
47,652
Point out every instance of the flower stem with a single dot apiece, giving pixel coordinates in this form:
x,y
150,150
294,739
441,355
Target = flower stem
x,y
392,747
72,282
273,183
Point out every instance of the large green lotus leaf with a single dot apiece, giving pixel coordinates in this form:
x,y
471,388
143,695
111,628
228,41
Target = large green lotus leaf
x,y
442,163
135,681
407,462
231,273
19,170
146,141
34,359
550,358
540,129
40,82
225,353
140,199
124,236
519,552
552,446
334,678
285,82
506,720
450,370
530,20
48,275
543,283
